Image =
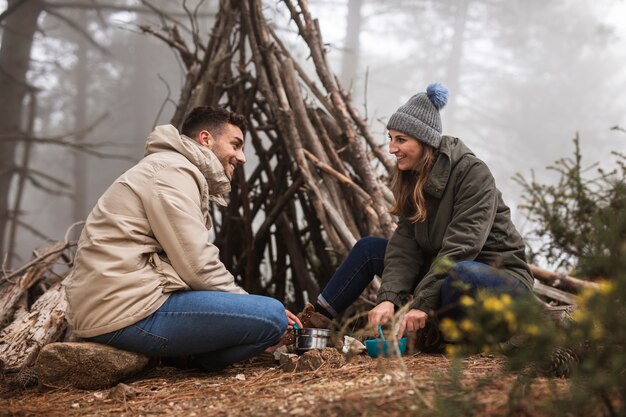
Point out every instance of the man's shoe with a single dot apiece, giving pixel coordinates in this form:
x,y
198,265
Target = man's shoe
x,y
309,319
288,338
312,319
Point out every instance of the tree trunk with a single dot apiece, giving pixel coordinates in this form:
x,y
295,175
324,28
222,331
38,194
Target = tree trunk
x,y
453,71
17,39
351,46
80,123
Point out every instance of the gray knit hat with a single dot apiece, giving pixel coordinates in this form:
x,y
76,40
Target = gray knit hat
x,y
419,117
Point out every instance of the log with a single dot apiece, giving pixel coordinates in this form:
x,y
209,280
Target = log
x,y
554,293
553,278
21,341
13,290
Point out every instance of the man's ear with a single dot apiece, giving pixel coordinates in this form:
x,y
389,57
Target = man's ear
x,y
205,138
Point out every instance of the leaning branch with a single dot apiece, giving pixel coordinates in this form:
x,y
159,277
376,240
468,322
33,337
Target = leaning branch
x,y
554,278
59,248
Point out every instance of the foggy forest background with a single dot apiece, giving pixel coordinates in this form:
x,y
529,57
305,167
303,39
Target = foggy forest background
x,y
524,78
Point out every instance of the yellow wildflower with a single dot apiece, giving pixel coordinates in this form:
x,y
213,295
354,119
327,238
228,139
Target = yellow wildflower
x,y
466,301
493,304
606,287
448,327
452,351
532,329
506,299
578,315
511,320
466,325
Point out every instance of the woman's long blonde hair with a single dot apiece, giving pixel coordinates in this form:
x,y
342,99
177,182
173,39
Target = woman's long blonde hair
x,y
408,187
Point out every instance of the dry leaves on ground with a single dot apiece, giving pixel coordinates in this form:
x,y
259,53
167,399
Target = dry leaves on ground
x,y
363,386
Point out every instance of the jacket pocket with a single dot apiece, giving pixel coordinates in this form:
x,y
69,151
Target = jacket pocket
x,y
170,280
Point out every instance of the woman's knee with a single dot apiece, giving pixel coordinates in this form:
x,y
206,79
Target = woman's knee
x,y
460,279
471,276
464,269
372,245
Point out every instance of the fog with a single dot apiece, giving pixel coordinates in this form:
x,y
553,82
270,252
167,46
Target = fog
x,y
524,78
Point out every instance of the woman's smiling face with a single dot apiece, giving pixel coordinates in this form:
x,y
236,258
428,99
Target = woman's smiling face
x,y
406,149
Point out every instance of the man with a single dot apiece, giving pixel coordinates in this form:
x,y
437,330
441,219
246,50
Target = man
x,y
146,278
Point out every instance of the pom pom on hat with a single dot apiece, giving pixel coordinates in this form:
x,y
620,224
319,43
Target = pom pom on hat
x,y
438,95
419,117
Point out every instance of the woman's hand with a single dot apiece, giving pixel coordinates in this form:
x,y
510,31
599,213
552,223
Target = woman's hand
x,y
413,321
381,314
292,319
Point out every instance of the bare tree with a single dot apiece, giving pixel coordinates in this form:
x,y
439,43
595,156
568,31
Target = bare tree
x,y
352,45
20,25
20,22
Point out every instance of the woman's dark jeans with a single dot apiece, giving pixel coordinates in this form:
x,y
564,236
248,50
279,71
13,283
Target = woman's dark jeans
x,y
366,259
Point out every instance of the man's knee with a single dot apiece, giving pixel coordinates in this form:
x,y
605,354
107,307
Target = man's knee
x,y
275,314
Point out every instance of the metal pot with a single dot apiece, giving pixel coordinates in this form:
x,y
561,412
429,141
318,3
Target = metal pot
x,y
307,339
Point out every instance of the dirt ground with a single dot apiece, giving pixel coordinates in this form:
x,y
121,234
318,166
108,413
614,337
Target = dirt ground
x,y
363,387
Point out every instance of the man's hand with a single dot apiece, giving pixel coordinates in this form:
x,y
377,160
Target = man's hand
x,y
381,314
413,321
292,319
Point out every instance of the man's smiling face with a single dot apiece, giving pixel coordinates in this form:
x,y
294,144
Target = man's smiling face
x,y
227,145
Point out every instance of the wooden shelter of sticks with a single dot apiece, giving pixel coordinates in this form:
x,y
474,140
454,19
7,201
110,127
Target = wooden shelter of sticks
x,y
315,190
319,185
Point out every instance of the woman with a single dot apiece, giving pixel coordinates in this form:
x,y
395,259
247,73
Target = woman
x,y
448,208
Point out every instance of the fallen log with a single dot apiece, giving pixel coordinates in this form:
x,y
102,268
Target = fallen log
x,y
554,279
21,341
19,282
554,293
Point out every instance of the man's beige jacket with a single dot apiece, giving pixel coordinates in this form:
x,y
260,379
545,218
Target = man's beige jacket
x,y
148,236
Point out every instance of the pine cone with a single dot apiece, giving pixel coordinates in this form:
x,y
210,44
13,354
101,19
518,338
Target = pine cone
x,y
562,362
27,377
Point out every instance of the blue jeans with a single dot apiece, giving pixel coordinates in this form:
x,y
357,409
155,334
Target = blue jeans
x,y
217,328
366,259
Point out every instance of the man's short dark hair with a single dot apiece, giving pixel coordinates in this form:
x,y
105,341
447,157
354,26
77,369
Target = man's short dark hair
x,y
212,119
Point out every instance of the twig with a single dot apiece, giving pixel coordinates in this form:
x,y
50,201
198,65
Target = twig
x,y
187,57
339,176
168,99
66,244
78,29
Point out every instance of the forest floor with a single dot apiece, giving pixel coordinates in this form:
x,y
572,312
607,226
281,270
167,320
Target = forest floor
x,y
418,385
